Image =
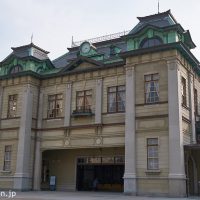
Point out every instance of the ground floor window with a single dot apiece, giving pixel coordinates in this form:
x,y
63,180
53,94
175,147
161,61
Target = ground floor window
x,y
152,154
7,158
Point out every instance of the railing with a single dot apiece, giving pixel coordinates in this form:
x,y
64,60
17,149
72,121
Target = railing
x,y
83,111
101,38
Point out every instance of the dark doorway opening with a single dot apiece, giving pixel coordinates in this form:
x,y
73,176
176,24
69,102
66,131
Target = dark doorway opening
x,y
110,177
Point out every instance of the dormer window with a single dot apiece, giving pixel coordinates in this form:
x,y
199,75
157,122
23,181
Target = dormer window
x,y
114,50
151,42
15,69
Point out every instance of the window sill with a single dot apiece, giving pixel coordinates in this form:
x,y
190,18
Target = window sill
x,y
53,119
110,113
153,171
86,114
153,103
7,118
5,172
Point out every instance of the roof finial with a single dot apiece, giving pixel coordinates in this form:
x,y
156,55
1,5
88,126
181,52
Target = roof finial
x,y
32,38
72,41
158,6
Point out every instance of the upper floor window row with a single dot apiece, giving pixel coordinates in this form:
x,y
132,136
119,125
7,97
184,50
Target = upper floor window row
x,y
116,99
116,102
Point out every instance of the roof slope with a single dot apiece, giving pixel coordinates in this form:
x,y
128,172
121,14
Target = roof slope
x,y
160,20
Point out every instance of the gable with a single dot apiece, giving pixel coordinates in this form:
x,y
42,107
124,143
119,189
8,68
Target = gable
x,y
82,63
85,65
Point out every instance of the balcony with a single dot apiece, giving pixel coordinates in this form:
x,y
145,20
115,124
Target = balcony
x,y
82,112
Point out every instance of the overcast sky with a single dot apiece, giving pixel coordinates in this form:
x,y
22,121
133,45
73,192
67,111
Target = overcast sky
x,y
54,22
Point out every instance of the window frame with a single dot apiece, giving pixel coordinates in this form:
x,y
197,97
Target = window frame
x,y
54,111
145,98
157,38
7,160
9,100
84,101
195,101
116,102
152,145
184,92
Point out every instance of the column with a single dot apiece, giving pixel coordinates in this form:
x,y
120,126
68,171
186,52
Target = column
x,y
130,161
1,100
98,103
22,178
177,181
68,96
38,153
191,106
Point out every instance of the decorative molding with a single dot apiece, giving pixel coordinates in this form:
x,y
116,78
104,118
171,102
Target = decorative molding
x,y
10,118
152,116
98,141
67,142
9,129
78,126
157,103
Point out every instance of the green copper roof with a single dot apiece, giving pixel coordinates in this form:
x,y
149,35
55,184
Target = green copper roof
x,y
161,29
160,20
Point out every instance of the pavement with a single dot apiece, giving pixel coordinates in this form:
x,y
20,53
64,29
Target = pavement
x,y
48,195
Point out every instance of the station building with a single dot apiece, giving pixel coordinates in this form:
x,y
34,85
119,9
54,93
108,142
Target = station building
x,y
122,110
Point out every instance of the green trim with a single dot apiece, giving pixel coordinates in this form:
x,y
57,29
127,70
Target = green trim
x,y
176,45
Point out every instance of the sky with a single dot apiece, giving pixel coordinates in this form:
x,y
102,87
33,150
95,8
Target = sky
x,y
54,22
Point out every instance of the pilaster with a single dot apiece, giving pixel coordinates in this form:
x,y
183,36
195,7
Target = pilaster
x,y
191,106
98,104
38,153
22,178
68,96
177,178
130,146
1,102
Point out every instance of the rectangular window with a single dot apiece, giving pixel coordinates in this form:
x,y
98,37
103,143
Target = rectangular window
x,y
84,101
116,99
151,88
55,105
12,106
184,97
152,154
7,158
196,101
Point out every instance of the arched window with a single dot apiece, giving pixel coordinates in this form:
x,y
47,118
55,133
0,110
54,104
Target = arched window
x,y
151,42
15,69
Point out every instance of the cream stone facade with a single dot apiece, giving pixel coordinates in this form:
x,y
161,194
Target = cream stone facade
x,y
133,142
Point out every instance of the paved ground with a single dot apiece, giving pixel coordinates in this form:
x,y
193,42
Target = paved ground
x,y
81,196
